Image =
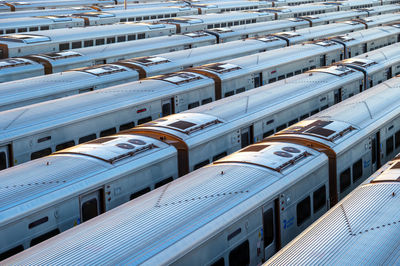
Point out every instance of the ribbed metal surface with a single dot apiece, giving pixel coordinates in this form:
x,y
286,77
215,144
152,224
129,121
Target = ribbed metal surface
x,y
361,230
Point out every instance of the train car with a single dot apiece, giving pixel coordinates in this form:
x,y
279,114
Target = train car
x,y
47,12
378,10
64,39
348,5
221,7
298,11
19,6
368,236
19,68
243,207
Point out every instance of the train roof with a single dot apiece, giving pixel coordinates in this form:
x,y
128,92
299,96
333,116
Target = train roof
x,y
34,21
195,207
360,36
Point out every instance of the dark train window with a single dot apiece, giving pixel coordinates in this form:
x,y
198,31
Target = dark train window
x,y
111,40
126,126
199,165
141,36
324,107
88,43
281,77
131,19
167,15
319,198
297,72
219,156
121,38
41,153
160,16
144,120
229,93
268,133
76,45
122,20
163,182
89,209
220,262
205,101
22,30
38,222
100,41
240,90
153,17
268,226
281,127
313,112
303,210
65,145
193,105
288,75
63,46
209,26
87,138
271,80
389,145
139,193
44,28
33,28
292,122
10,31
108,132
131,37
357,170
344,180
240,255
44,237
11,252
397,139
304,116
3,161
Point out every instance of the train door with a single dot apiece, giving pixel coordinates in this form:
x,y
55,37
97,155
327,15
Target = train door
x,y
258,80
5,160
389,73
167,106
271,234
91,205
376,152
246,136
322,60
338,95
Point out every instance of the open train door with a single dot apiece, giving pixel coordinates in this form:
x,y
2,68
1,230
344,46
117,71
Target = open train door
x,y
91,204
5,160
271,232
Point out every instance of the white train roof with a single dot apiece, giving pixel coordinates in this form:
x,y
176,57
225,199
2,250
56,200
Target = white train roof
x,y
365,35
195,207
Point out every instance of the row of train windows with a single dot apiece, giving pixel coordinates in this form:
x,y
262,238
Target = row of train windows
x,y
148,17
238,8
345,176
233,23
8,31
309,13
240,255
290,74
392,142
89,43
215,158
299,3
303,208
292,122
104,133
208,100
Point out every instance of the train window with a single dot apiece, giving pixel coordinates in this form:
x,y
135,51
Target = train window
x,y
304,116
10,31
312,67
248,21
220,262
44,237
268,133
193,105
271,80
268,227
89,209
44,28
281,127
38,222
126,126
160,16
205,101
33,28
111,40
63,46
223,24
200,165
357,170
313,112
144,120
305,69
344,180
219,156
303,211
209,26
87,138
292,122
163,182
269,122
131,37
229,93
389,145
138,18
173,15
240,90
88,43
141,36
240,255
121,39
41,153
22,30
99,41
253,21
65,145
236,23
11,252
230,24
3,161
242,22
76,45
288,75
108,132
324,107
297,72
123,20
217,25
167,15
139,193
397,139
153,17
131,19
319,197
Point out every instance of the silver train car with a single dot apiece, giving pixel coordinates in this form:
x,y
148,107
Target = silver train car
x,y
298,11
30,126
368,235
243,208
19,6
